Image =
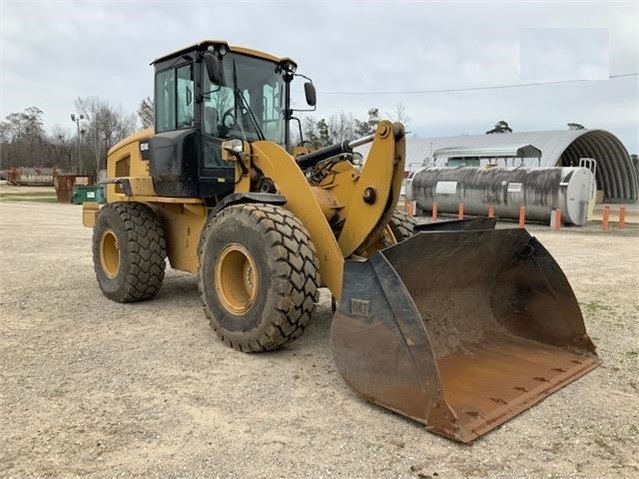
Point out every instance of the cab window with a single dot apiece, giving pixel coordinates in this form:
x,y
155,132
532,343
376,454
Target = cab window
x,y
184,97
174,99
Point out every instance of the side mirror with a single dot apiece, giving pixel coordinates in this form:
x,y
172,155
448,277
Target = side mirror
x,y
309,91
213,67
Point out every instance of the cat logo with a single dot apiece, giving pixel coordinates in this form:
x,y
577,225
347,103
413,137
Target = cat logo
x,y
145,151
360,307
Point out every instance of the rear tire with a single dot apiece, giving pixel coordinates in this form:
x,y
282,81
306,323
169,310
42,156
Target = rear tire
x,y
129,252
258,276
402,225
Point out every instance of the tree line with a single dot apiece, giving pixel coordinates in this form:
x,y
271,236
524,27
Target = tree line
x,y
319,132
98,126
344,126
503,127
82,149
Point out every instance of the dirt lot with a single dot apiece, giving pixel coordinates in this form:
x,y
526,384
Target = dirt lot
x,y
91,387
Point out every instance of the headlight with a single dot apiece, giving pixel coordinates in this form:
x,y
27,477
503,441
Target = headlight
x,y
234,146
288,66
220,49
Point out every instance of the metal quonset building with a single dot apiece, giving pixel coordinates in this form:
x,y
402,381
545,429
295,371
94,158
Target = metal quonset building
x,y
616,175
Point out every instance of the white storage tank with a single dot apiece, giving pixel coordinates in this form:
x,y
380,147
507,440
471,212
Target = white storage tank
x,y
540,190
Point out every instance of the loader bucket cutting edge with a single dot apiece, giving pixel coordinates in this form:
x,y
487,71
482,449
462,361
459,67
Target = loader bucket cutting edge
x,y
460,330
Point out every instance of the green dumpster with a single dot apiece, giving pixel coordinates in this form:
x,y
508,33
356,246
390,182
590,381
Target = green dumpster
x,y
87,194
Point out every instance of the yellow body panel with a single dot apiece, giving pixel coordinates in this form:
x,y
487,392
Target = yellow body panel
x,y
182,218
89,214
182,224
339,183
125,160
329,204
277,164
141,186
162,200
134,138
257,53
384,165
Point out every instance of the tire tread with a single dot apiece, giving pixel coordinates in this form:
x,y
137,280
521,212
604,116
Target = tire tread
x,y
146,248
402,225
296,277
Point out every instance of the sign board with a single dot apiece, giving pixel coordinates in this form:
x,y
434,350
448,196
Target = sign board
x,y
446,188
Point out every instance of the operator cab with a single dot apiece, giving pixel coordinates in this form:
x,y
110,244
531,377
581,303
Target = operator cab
x,y
208,93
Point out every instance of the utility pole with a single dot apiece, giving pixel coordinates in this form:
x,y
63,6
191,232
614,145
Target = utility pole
x,y
76,120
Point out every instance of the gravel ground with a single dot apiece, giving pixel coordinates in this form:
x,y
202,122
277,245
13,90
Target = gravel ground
x,y
89,387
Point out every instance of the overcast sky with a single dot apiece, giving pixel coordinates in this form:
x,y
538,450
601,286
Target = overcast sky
x,y
53,52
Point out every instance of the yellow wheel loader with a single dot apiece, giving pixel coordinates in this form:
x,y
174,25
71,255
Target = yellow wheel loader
x,y
456,325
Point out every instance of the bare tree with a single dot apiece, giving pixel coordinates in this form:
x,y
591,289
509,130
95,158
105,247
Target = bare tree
x,y
88,107
309,130
342,127
145,112
106,125
399,114
60,149
22,138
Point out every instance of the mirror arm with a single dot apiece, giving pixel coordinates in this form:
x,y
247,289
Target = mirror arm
x,y
303,76
308,109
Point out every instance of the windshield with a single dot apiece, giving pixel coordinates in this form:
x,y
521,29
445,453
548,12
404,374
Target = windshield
x,y
249,101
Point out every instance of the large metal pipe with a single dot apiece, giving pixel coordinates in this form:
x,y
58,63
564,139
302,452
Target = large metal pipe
x,y
539,190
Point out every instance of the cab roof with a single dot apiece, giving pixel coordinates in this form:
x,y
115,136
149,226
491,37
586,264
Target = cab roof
x,y
204,44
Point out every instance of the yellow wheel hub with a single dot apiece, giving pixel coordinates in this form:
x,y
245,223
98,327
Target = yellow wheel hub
x,y
110,253
236,279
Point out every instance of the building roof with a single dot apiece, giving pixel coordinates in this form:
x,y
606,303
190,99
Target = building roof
x,y
615,174
502,151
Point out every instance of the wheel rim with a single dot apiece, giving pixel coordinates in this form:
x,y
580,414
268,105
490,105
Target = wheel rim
x,y
236,279
110,253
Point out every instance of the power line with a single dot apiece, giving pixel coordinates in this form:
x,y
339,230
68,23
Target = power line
x,y
451,90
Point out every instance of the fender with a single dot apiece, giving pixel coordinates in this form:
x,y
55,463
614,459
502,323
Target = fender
x,y
237,198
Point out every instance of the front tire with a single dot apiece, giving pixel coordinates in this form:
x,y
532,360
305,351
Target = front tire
x,y
258,276
129,252
402,225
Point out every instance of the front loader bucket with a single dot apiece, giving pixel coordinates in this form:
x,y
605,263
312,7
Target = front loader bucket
x,y
460,330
